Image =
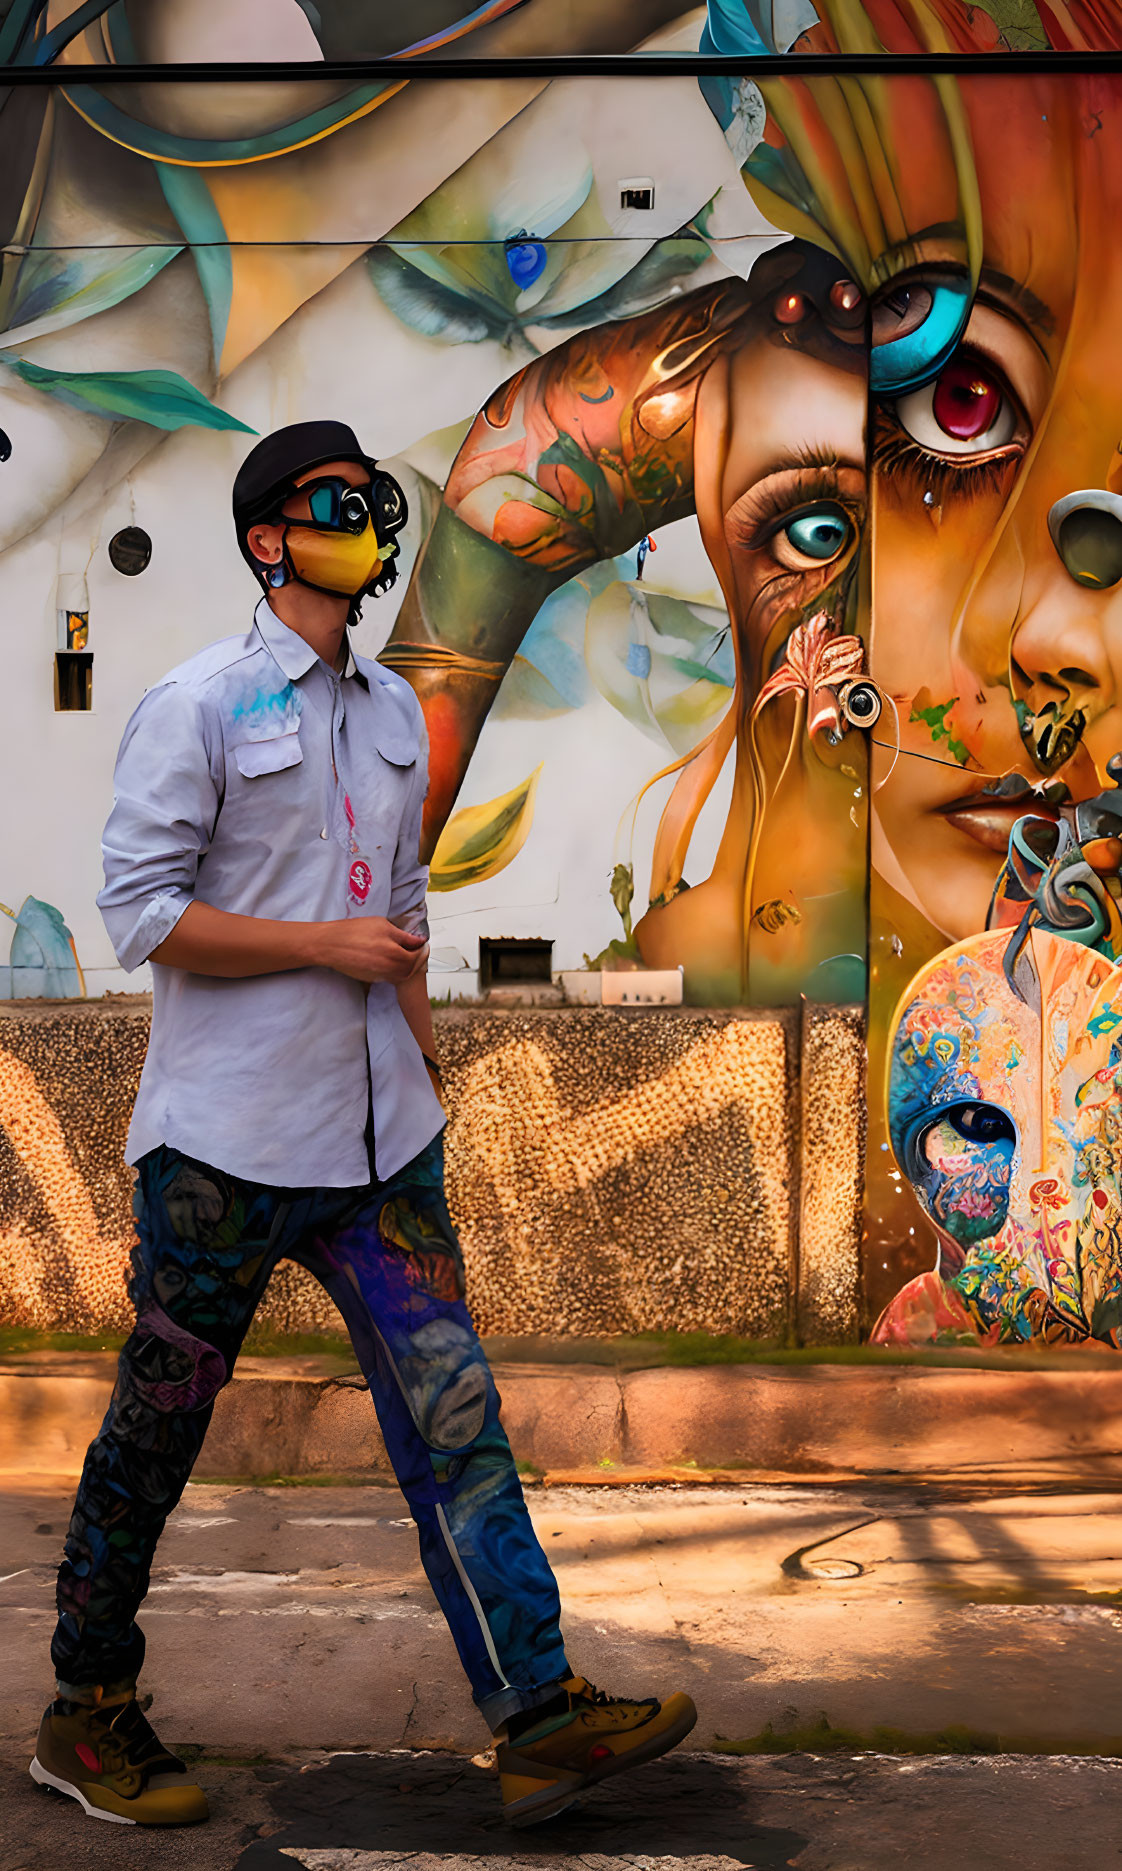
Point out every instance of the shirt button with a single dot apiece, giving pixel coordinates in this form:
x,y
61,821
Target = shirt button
x,y
324,832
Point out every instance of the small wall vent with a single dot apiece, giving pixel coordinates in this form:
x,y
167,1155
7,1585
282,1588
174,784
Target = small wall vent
x,y
636,191
514,959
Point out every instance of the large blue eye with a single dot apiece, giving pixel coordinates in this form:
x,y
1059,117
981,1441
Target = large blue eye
x,y
812,537
916,325
321,504
821,534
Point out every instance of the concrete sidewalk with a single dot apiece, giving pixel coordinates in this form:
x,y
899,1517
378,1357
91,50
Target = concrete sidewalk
x,y
300,1616
922,1611
998,1419
295,1647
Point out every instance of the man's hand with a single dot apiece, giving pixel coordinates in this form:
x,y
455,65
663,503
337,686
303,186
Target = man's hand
x,y
369,948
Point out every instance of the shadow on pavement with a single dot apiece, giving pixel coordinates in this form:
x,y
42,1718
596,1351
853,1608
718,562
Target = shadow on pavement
x,y
691,1807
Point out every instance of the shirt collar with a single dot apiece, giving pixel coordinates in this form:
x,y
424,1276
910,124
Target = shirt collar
x,y
351,668
291,652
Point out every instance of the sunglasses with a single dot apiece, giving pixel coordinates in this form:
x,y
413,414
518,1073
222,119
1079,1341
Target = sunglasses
x,y
340,508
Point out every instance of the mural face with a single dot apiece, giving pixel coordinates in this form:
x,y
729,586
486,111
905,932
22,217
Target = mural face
x,y
1005,1117
1006,665
1005,677
789,510
745,404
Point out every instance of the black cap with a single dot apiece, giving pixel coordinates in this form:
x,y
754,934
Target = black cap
x,y
268,471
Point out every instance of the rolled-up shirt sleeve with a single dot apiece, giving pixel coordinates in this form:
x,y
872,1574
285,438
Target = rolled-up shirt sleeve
x,y
409,879
166,800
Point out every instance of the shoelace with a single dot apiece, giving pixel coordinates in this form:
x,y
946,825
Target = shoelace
x,y
599,1696
600,1699
129,1740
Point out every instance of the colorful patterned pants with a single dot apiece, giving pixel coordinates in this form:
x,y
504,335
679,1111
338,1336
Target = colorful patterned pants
x,y
389,1257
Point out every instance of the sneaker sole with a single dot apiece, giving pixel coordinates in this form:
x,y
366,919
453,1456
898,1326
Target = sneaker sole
x,y
537,1807
45,1779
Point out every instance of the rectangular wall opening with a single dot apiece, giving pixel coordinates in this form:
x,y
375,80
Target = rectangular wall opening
x,y
637,191
73,681
514,959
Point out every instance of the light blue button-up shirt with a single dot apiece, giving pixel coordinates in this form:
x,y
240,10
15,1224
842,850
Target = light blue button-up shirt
x,y
257,779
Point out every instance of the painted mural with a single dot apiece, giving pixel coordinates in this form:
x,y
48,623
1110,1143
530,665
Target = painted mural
x,y
1005,1116
42,959
799,494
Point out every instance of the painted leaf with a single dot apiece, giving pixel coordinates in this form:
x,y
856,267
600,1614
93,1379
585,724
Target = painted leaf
x,y
480,841
526,695
1021,30
159,397
52,292
665,665
433,309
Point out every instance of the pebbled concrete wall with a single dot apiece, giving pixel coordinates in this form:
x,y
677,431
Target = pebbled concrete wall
x,y
610,1171
832,1130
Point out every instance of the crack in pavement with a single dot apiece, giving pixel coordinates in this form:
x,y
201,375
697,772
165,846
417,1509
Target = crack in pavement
x,y
413,1706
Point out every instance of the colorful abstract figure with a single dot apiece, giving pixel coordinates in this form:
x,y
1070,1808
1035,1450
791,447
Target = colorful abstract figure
x,y
1004,1113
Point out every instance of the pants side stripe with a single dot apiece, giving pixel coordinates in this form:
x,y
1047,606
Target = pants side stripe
x,y
471,1592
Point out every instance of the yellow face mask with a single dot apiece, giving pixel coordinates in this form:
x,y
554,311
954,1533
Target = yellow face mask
x,y
345,541
345,563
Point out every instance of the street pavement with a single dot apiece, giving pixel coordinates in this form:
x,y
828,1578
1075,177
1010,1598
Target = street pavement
x,y
295,1650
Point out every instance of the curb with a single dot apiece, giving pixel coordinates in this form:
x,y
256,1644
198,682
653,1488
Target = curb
x,y
589,1423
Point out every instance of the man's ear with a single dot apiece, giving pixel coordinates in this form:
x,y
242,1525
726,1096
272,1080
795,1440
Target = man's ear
x,y
266,543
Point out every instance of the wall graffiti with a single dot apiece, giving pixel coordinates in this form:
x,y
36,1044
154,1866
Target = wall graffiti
x,y
42,959
762,583
1005,1117
575,461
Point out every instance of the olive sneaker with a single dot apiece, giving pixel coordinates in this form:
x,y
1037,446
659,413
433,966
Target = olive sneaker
x,y
549,1755
108,1758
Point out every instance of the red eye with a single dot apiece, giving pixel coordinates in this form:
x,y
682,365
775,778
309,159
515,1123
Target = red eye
x,y
966,399
966,412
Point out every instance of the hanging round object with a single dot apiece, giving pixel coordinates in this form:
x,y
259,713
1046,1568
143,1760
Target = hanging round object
x,y
5,446
130,550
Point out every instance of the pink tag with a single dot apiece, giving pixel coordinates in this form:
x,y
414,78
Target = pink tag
x,y
87,1757
361,878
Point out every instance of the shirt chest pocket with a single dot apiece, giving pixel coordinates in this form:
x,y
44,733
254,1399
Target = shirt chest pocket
x,y
267,794
384,777
255,759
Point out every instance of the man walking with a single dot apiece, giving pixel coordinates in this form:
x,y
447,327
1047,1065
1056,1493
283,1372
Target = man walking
x,y
262,852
